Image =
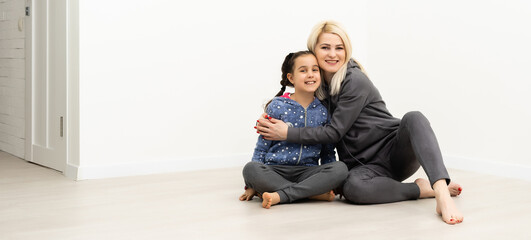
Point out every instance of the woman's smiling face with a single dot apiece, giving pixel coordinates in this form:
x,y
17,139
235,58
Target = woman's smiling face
x,y
330,53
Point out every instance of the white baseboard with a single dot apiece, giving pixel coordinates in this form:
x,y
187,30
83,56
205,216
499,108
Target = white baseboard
x,y
71,171
155,166
502,169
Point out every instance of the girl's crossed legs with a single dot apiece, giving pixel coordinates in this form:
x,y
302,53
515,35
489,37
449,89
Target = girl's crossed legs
x,y
286,184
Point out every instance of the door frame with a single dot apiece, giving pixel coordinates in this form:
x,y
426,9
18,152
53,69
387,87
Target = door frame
x,y
28,46
71,127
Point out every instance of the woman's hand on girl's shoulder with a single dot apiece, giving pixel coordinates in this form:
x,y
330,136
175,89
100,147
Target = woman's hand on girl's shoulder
x,y
271,129
261,123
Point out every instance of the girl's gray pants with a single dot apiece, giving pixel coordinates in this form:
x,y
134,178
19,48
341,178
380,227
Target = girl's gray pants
x,y
294,182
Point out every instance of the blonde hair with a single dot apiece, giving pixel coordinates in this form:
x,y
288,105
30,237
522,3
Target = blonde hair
x,y
333,27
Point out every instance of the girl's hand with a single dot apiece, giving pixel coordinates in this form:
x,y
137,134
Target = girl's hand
x,y
272,129
248,194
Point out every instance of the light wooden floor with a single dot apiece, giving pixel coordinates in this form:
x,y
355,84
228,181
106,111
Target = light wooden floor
x,y
39,203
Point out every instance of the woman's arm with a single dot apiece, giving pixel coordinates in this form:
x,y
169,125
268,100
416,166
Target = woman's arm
x,y
351,102
352,99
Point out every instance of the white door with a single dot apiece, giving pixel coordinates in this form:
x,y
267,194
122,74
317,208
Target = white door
x,y
49,62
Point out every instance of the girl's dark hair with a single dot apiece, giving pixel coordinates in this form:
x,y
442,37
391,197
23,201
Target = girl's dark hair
x,y
287,67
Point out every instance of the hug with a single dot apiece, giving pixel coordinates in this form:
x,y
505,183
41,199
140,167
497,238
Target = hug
x,y
336,106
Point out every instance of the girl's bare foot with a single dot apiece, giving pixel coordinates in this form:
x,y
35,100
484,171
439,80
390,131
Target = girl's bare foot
x,y
445,204
329,196
427,192
248,194
270,199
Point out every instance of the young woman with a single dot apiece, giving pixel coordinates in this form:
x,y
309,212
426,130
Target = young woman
x,y
284,172
380,151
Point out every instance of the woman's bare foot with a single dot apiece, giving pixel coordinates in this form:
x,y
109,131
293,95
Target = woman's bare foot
x,y
427,192
455,189
329,196
445,204
425,189
270,199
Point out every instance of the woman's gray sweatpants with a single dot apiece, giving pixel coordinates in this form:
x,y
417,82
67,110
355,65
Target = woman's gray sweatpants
x,y
294,182
380,181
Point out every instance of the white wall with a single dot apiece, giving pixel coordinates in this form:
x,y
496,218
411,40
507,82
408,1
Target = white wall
x,y
170,85
12,83
465,65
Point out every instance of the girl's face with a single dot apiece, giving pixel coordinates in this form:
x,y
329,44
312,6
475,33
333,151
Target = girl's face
x,y
305,76
330,53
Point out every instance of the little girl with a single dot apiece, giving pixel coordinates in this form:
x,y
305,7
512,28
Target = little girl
x,y
284,172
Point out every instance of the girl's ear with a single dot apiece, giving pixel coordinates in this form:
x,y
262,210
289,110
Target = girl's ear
x,y
290,78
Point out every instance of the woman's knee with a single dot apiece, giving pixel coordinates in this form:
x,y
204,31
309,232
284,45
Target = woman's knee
x,y
415,117
355,190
